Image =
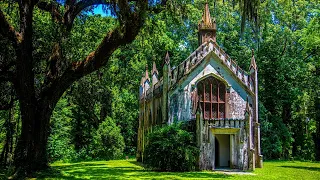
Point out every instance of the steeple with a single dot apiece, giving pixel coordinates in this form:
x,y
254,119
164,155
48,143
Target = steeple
x,y
206,18
207,27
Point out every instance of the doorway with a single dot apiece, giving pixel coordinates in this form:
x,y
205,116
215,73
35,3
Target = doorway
x,y
222,150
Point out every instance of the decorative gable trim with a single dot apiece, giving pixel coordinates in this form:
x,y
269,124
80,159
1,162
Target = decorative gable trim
x,y
206,50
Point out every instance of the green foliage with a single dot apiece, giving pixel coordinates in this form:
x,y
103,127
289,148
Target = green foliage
x,y
171,149
108,142
303,128
270,141
59,142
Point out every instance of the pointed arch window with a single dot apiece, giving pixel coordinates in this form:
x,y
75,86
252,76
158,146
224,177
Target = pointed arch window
x,y
212,96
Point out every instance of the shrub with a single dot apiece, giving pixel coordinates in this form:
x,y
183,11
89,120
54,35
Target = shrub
x,y
171,149
108,142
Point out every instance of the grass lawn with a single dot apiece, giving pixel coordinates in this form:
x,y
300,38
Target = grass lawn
x,y
123,169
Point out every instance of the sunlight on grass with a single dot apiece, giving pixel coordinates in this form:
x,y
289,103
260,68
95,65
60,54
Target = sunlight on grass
x,y
123,169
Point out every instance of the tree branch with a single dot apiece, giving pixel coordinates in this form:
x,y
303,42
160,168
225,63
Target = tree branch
x,y
52,9
123,34
8,30
75,9
70,2
311,53
284,49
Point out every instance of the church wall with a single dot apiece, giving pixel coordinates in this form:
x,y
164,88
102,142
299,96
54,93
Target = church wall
x,y
152,113
236,105
149,116
157,118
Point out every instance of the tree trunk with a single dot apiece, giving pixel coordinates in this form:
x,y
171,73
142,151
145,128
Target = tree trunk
x,y
31,151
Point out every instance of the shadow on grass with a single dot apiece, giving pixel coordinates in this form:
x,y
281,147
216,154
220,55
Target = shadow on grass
x,y
127,170
187,175
303,168
136,163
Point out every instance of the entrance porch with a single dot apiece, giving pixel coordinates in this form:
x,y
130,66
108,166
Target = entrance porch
x,y
225,147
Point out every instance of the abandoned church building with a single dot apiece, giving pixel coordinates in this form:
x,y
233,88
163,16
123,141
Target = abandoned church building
x,y
212,91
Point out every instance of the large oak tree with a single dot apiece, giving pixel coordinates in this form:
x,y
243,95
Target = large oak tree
x,y
38,101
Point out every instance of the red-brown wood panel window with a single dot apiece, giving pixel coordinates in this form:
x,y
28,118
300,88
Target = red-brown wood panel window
x,y
212,93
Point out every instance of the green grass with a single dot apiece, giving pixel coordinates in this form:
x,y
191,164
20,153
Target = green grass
x,y
123,169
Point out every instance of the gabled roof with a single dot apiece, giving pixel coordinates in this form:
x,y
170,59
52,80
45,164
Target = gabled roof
x,y
197,57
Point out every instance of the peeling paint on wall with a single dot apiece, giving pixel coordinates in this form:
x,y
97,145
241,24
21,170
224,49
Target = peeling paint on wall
x,y
236,104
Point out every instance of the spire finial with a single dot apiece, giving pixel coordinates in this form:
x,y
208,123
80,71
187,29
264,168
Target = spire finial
x,y
253,64
206,18
142,79
147,73
167,59
247,106
154,68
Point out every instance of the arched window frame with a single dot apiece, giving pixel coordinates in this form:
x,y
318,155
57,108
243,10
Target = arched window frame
x,y
210,103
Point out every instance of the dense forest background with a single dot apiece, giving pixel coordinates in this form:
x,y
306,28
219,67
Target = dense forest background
x,y
97,117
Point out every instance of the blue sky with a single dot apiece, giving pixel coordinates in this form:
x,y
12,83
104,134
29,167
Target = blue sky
x,y
98,10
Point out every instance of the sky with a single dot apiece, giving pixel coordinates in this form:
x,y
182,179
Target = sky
x,y
98,10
